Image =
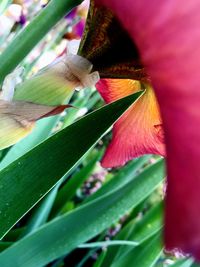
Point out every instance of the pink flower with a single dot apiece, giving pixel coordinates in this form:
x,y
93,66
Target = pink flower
x,y
168,37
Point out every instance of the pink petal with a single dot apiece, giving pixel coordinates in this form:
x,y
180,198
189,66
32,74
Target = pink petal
x,y
168,37
31,112
139,130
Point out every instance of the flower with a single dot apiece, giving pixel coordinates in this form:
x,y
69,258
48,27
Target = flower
x,y
167,36
40,96
139,130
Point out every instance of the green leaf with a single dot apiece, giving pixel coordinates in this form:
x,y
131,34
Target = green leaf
x,y
137,232
40,133
184,263
65,233
108,243
144,255
69,189
41,212
195,264
147,226
5,245
100,259
125,175
42,130
14,234
24,182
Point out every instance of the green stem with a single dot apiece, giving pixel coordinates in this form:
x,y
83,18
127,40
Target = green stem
x,y
26,40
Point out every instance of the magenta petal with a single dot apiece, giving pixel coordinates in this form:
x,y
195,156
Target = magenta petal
x,y
168,37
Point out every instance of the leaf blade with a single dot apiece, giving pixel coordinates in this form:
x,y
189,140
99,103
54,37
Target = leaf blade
x,y
18,192
72,229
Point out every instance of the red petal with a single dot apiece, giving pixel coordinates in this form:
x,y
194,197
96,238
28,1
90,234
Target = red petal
x,y
168,37
139,130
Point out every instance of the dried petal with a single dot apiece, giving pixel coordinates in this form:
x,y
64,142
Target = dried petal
x,y
55,85
41,95
17,119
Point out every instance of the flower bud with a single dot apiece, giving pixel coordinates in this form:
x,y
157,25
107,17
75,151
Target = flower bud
x,y
55,84
40,96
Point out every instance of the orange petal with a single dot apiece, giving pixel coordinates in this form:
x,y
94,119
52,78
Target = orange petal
x,y
139,131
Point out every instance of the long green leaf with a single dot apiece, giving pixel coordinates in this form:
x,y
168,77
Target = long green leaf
x,y
69,189
108,243
137,232
145,255
195,264
41,212
184,263
24,182
125,175
40,133
65,233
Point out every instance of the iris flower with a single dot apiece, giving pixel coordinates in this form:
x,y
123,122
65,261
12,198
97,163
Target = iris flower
x,y
168,38
43,95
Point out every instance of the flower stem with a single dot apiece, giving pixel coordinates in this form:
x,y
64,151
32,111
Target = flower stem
x,y
27,39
